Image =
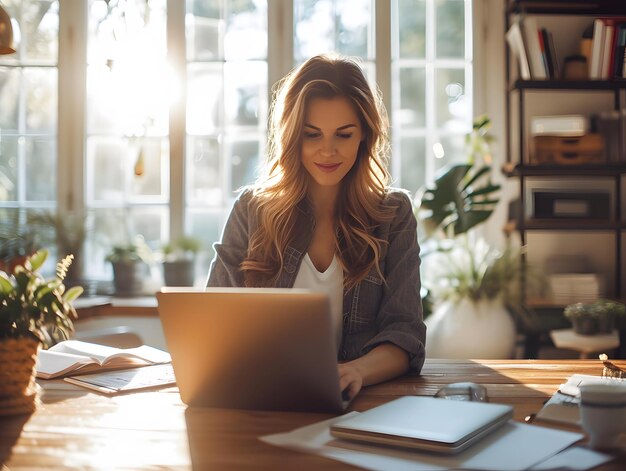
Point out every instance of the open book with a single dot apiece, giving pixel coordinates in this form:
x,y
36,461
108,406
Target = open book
x,y
563,407
76,357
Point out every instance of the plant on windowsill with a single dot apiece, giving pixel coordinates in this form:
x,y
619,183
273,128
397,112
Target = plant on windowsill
x,y
131,266
475,288
34,312
598,317
179,261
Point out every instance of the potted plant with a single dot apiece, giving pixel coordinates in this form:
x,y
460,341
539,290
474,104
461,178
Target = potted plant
x,y
179,261
475,288
594,318
131,266
34,311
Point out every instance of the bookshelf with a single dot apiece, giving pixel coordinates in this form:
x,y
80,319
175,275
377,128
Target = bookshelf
x,y
571,237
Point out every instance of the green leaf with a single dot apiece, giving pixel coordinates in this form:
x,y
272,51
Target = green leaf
x,y
72,293
6,286
37,259
457,200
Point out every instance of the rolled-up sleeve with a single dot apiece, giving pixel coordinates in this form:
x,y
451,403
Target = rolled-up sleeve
x,y
400,315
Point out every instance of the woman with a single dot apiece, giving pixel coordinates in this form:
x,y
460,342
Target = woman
x,y
324,218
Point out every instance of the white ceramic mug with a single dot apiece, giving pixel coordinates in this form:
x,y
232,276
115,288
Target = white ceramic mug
x,y
603,413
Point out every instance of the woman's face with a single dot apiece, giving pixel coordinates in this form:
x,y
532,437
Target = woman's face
x,y
331,137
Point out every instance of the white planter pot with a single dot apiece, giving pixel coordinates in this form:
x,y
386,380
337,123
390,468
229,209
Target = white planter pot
x,y
480,329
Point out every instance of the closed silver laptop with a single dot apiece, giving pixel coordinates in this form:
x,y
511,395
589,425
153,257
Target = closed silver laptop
x,y
252,348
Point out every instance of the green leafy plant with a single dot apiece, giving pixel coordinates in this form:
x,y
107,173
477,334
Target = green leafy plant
x,y
135,251
36,307
462,195
182,248
457,263
599,316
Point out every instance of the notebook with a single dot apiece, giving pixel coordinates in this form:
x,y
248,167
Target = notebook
x,y
425,423
252,348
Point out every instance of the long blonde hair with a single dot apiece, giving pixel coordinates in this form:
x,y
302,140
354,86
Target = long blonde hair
x,y
284,185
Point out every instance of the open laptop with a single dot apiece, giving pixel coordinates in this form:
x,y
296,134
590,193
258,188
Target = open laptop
x,y
252,348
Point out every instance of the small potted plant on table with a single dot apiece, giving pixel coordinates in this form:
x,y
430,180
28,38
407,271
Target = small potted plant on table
x,y
598,317
34,311
179,261
131,267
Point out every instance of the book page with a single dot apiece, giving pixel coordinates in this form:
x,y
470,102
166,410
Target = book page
x,y
92,350
84,357
51,363
127,380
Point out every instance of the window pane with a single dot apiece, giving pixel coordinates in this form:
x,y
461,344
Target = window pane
x,y
412,28
204,29
106,169
203,172
354,27
244,163
332,25
453,110
450,28
204,98
246,30
454,149
246,94
41,99
314,29
41,169
206,226
8,168
150,157
413,175
9,97
36,35
412,112
127,81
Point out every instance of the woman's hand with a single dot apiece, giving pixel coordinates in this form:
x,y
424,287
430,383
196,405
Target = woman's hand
x,y
383,362
350,380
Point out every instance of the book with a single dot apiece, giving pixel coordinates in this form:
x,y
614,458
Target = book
x,y
122,381
425,423
515,40
556,70
531,38
76,357
607,49
563,407
597,45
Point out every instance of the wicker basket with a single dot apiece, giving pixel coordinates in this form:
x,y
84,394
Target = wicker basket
x,y
18,389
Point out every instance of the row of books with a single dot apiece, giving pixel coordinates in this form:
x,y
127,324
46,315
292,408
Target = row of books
x,y
533,47
608,50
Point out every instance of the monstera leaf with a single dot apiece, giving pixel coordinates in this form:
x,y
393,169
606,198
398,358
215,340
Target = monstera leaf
x,y
462,197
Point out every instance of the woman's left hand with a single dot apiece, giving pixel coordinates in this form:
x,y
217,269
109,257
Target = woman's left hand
x,y
350,380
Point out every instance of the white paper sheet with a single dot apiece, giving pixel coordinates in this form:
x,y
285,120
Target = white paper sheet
x,y
514,447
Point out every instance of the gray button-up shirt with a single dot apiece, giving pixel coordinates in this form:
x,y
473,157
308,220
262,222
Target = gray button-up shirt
x,y
374,311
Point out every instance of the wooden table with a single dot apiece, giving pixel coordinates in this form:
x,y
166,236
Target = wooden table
x,y
76,429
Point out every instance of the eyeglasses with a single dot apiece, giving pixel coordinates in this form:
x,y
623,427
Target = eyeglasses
x,y
464,392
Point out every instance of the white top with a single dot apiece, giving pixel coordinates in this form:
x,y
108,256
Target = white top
x,y
329,282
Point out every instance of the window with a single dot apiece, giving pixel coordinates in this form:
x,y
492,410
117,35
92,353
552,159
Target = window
x,y
28,115
168,140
